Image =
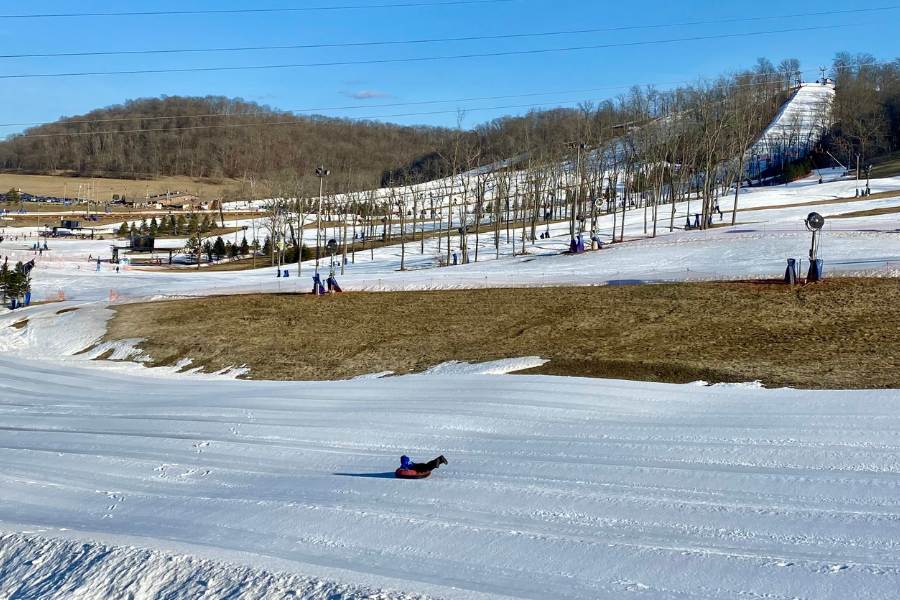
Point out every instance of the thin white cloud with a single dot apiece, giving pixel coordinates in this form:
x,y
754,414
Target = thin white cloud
x,y
367,94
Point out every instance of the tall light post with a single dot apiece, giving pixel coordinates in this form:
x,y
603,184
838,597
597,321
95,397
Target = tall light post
x,y
579,147
321,173
254,243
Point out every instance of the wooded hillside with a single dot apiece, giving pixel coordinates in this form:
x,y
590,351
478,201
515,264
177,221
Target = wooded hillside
x,y
217,137
212,137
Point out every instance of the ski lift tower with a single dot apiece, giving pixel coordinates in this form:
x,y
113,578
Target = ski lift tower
x,y
814,223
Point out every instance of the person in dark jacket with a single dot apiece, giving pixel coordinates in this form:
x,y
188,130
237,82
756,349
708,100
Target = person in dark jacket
x,y
407,464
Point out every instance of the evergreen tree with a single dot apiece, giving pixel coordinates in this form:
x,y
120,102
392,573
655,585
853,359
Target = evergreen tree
x,y
123,230
133,230
154,227
144,227
4,280
219,248
194,223
267,247
205,225
180,226
192,244
16,283
208,250
245,247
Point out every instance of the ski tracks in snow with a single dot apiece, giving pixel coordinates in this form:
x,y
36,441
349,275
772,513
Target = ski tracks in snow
x,y
562,488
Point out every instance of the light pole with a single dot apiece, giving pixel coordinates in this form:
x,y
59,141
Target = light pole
x,y
578,148
321,173
253,244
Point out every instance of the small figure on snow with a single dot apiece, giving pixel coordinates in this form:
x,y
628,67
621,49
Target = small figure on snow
x,y
412,470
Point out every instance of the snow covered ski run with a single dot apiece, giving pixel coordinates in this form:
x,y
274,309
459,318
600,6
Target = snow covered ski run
x,y
559,488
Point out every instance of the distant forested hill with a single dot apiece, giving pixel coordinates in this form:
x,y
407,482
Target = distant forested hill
x,y
212,137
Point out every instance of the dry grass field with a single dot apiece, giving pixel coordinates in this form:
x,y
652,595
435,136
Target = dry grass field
x,y
887,165
839,334
103,188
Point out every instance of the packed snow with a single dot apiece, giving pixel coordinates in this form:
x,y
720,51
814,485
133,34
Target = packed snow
x,y
556,488
798,126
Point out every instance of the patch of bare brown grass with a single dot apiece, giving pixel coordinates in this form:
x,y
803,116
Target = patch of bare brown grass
x,y
874,212
876,196
838,334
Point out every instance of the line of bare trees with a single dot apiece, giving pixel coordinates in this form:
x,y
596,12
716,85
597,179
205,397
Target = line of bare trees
x,y
632,160
866,108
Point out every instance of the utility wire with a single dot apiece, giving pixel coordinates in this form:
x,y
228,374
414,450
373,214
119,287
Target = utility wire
x,y
556,103
233,11
538,34
388,105
359,106
377,61
276,123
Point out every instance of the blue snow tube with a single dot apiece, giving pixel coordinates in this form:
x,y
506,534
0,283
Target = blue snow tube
x,y
816,270
790,274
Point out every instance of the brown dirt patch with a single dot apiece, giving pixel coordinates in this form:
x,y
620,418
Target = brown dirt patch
x,y
843,333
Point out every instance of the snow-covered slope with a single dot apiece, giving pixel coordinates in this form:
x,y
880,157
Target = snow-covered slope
x,y
556,488
756,248
33,566
797,127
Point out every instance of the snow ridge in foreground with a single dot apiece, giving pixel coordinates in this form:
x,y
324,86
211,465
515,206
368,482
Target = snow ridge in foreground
x,y
33,567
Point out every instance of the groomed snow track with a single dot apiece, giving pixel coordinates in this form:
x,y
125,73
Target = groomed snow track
x,y
556,488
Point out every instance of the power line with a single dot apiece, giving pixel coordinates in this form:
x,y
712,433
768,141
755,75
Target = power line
x,y
442,39
376,61
232,11
386,105
292,122
367,106
556,103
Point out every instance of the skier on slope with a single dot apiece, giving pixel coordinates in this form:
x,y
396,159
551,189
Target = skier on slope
x,y
406,464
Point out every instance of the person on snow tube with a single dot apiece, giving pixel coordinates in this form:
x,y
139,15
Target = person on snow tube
x,y
407,465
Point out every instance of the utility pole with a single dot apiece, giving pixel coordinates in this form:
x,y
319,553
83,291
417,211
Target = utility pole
x,y
253,222
321,173
578,148
857,173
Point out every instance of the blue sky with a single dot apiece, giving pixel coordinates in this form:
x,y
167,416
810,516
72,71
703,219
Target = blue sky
x,y
27,100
